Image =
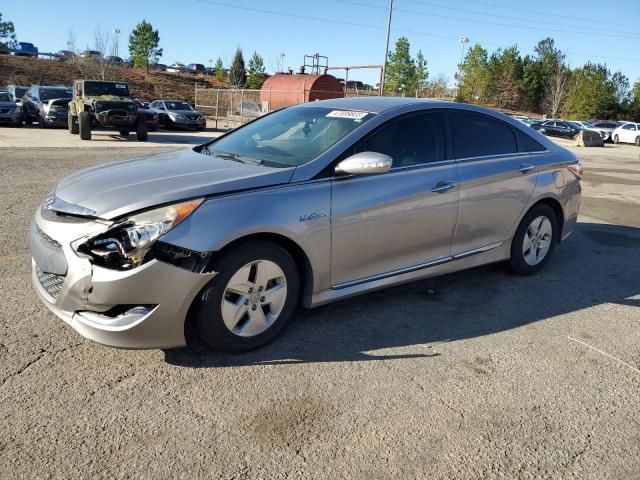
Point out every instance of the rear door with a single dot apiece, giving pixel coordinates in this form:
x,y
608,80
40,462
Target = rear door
x,y
401,219
497,179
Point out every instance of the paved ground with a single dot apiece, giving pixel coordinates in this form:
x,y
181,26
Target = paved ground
x,y
473,375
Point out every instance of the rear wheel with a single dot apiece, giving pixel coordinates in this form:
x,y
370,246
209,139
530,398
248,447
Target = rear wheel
x,y
251,300
84,125
124,133
41,122
141,129
534,241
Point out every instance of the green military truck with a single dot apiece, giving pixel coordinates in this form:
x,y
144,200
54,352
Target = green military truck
x,y
98,103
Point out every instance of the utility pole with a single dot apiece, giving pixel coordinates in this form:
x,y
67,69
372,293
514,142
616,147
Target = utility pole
x,y
463,41
116,32
386,48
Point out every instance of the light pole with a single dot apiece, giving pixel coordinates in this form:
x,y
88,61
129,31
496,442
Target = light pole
x,y
116,32
281,62
386,48
463,41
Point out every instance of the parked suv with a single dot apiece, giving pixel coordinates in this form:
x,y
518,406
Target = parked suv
x,y
46,105
97,103
16,92
309,204
26,49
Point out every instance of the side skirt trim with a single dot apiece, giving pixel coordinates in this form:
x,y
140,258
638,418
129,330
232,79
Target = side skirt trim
x,y
415,268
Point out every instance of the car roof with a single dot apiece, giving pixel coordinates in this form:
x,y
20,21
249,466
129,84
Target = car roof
x,y
171,100
95,80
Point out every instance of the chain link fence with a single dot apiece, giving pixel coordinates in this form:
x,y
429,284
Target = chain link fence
x,y
230,108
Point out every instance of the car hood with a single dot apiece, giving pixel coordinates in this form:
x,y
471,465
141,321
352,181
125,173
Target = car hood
x,y
110,98
185,112
115,189
4,105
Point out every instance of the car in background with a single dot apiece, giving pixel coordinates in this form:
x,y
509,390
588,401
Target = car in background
x,y
46,105
195,68
176,68
248,109
178,113
152,117
158,66
65,55
587,125
627,133
209,71
26,49
557,128
91,55
608,126
16,92
114,60
10,113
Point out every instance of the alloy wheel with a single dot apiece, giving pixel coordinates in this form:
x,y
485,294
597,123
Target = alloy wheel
x,y
537,240
254,298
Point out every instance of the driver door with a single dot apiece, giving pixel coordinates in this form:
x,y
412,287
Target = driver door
x,y
384,223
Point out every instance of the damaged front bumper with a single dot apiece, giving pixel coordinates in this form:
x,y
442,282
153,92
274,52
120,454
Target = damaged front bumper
x,y
144,307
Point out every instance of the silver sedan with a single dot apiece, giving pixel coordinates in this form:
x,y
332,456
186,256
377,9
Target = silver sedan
x,y
303,206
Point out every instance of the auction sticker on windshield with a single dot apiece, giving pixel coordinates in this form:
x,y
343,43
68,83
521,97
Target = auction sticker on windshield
x,y
354,115
120,85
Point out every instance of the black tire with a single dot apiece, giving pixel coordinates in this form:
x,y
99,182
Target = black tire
x,y
84,125
208,306
141,129
153,128
637,142
72,124
41,122
616,140
124,133
575,137
18,125
518,263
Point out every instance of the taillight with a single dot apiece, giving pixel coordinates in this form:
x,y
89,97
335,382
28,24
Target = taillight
x,y
577,168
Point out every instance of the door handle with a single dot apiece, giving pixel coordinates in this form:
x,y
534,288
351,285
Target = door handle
x,y
525,168
443,187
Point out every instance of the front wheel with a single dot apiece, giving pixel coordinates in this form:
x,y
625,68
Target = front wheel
x,y
72,123
84,123
637,141
616,139
141,129
124,133
251,300
534,241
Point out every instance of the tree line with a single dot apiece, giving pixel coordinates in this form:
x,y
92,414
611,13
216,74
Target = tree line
x,y
544,83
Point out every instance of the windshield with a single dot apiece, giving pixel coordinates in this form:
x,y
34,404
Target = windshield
x,y
178,106
575,125
289,137
47,94
4,97
20,92
95,89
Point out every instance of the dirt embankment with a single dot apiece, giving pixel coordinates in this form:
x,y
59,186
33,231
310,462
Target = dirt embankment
x,y
145,85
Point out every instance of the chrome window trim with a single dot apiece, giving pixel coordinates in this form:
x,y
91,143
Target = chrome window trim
x,y
415,268
499,155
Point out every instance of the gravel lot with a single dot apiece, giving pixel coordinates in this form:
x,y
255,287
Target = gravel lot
x,y
478,374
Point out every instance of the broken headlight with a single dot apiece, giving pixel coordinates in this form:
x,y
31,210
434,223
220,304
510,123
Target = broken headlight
x,y
127,243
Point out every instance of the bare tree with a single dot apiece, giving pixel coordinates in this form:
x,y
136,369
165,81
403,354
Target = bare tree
x,y
95,66
556,89
437,88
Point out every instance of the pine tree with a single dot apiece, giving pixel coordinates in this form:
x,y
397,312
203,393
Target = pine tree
x,y
256,71
421,74
237,72
143,45
219,70
401,70
7,34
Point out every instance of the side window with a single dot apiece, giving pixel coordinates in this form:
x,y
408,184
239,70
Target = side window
x,y
628,126
526,143
478,135
411,140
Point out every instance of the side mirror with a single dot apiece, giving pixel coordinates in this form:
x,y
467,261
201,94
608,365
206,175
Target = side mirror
x,y
365,163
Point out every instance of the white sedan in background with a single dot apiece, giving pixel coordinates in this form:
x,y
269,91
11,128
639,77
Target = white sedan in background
x,y
627,133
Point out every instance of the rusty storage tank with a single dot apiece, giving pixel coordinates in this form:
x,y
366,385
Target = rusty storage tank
x,y
281,90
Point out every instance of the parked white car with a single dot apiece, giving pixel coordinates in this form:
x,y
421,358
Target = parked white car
x,y
627,133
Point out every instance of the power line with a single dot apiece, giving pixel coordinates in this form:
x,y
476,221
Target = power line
x,y
537,12
508,17
486,22
375,27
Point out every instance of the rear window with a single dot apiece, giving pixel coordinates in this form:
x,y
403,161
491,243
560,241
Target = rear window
x,y
478,135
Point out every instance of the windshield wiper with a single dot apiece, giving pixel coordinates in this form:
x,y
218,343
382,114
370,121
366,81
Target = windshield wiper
x,y
237,158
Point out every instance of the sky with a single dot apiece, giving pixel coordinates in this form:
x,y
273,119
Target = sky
x,y
348,32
